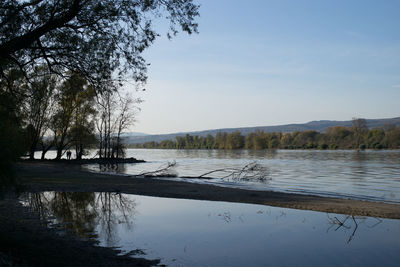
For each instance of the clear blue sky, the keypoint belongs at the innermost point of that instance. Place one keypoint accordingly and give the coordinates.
(257, 63)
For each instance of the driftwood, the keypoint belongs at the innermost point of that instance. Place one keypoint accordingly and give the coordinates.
(163, 171)
(250, 172)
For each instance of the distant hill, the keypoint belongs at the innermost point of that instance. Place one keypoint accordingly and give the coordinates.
(319, 126)
(133, 134)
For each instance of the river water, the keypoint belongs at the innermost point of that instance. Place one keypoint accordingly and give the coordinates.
(183, 232)
(369, 175)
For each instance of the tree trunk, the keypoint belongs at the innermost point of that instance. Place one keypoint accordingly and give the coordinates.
(59, 152)
(32, 153)
(79, 153)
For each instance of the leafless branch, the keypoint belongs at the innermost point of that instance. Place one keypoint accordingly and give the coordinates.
(250, 172)
(164, 171)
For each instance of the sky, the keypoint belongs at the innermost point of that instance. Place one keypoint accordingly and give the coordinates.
(267, 62)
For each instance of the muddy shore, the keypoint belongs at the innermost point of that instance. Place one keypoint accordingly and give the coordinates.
(49, 176)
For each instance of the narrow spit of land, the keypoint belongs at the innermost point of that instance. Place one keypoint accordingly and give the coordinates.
(56, 176)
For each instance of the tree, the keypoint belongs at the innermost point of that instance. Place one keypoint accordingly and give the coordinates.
(73, 106)
(235, 140)
(11, 132)
(392, 138)
(180, 142)
(124, 119)
(103, 41)
(97, 38)
(340, 136)
(39, 95)
(220, 140)
(82, 131)
(286, 141)
(116, 113)
(209, 142)
(359, 127)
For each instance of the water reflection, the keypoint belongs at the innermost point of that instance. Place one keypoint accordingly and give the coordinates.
(350, 223)
(84, 213)
(203, 233)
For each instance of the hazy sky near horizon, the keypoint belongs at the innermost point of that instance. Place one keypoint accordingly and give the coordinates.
(271, 62)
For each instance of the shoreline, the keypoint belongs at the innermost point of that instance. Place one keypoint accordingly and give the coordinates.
(84, 161)
(57, 176)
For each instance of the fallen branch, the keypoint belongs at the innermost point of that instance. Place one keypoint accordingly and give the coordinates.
(250, 172)
(162, 171)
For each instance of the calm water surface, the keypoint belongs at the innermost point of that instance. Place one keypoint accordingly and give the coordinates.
(370, 175)
(204, 233)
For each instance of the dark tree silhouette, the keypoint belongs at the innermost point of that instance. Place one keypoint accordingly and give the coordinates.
(97, 38)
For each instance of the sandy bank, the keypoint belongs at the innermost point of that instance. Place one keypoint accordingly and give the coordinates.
(49, 176)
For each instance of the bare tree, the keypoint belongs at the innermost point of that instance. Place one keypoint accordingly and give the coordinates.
(116, 114)
(126, 117)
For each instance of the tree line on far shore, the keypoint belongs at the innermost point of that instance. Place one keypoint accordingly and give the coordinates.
(358, 136)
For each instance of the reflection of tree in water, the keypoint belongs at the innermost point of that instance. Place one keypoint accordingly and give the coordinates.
(106, 206)
(349, 223)
(359, 159)
(74, 210)
(39, 202)
(262, 154)
(83, 212)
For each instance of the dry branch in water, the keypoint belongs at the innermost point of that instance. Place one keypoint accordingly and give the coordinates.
(250, 172)
(163, 171)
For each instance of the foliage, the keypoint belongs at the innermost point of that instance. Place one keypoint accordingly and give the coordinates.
(97, 38)
(71, 123)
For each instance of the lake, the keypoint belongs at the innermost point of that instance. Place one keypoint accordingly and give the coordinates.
(203, 233)
(369, 175)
